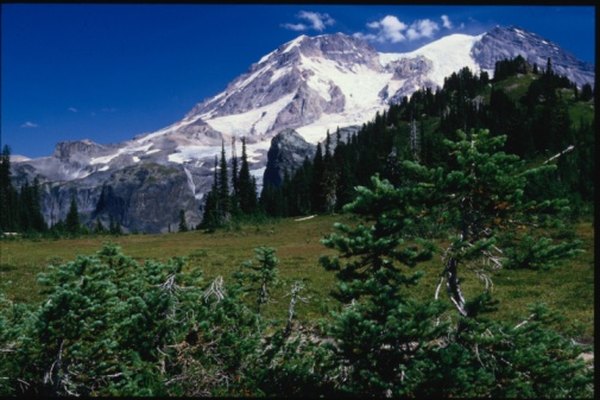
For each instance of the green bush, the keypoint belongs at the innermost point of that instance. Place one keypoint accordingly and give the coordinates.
(110, 326)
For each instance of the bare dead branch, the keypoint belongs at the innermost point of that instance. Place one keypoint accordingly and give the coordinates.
(568, 149)
(525, 321)
(48, 375)
(216, 288)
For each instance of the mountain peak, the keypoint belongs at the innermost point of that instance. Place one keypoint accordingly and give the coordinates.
(511, 41)
(325, 45)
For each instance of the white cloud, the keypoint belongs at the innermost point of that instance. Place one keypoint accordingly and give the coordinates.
(388, 29)
(29, 124)
(446, 23)
(373, 25)
(72, 109)
(391, 29)
(316, 21)
(295, 27)
(365, 36)
(422, 28)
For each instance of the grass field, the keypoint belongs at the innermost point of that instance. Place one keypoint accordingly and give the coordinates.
(568, 289)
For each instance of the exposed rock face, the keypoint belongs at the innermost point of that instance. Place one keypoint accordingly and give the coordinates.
(509, 42)
(289, 150)
(142, 198)
(287, 153)
(136, 197)
(407, 68)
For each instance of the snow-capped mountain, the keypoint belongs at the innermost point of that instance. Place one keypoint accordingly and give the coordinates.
(310, 84)
(510, 42)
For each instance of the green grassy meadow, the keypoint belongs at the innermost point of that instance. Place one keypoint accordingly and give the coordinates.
(568, 289)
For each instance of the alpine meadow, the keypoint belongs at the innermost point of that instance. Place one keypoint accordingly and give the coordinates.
(338, 222)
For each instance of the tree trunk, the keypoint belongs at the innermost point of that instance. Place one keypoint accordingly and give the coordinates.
(453, 286)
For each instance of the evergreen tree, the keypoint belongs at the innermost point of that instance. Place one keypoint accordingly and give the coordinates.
(327, 155)
(261, 276)
(72, 224)
(38, 222)
(586, 92)
(271, 200)
(212, 216)
(224, 200)
(182, 224)
(7, 207)
(383, 335)
(481, 196)
(390, 344)
(318, 173)
(99, 228)
(25, 202)
(329, 180)
(548, 70)
(114, 227)
(247, 188)
(234, 173)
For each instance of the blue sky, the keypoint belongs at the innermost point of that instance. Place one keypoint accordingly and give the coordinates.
(108, 72)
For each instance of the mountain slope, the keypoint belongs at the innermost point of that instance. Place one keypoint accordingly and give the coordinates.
(310, 84)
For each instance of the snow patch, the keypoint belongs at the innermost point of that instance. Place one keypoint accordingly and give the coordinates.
(171, 128)
(266, 57)
(520, 33)
(187, 153)
(255, 151)
(253, 122)
(18, 158)
(278, 74)
(360, 85)
(448, 54)
(293, 44)
(124, 150)
(317, 131)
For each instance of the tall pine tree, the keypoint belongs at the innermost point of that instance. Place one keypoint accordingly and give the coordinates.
(8, 212)
(247, 187)
(72, 224)
(389, 344)
(182, 224)
(235, 189)
(211, 217)
(318, 173)
(224, 199)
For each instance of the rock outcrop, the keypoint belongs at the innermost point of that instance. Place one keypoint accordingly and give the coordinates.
(287, 153)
